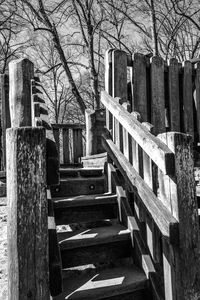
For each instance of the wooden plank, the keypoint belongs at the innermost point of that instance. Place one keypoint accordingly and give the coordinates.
(77, 145)
(140, 86)
(56, 134)
(156, 150)
(197, 83)
(164, 220)
(66, 150)
(119, 74)
(188, 98)
(174, 103)
(147, 162)
(20, 74)
(135, 147)
(27, 214)
(108, 84)
(183, 265)
(157, 95)
(127, 145)
(5, 115)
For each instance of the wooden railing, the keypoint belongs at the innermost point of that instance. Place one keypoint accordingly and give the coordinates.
(32, 166)
(158, 174)
(165, 93)
(69, 141)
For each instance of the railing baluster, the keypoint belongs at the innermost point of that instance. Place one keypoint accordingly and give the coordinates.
(66, 150)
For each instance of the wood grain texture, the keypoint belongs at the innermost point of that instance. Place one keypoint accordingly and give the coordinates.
(174, 103)
(119, 74)
(156, 150)
(182, 264)
(157, 95)
(20, 75)
(108, 84)
(163, 219)
(188, 98)
(5, 114)
(140, 86)
(66, 146)
(197, 83)
(27, 214)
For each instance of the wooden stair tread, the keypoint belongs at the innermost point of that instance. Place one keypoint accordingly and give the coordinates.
(85, 200)
(82, 179)
(93, 236)
(83, 172)
(106, 283)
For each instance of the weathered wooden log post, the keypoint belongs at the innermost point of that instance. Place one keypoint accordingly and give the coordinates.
(26, 191)
(20, 74)
(95, 122)
(27, 214)
(182, 261)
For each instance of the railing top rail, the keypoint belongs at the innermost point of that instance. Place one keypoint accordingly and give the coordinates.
(166, 223)
(69, 126)
(155, 148)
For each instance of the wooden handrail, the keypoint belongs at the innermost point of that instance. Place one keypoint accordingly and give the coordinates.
(166, 223)
(156, 150)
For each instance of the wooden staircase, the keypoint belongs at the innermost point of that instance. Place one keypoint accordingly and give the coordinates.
(96, 250)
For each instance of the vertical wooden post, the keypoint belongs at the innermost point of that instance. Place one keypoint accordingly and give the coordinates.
(140, 86)
(5, 115)
(108, 84)
(135, 146)
(27, 214)
(95, 122)
(127, 145)
(197, 83)
(56, 134)
(174, 102)
(188, 98)
(66, 150)
(20, 74)
(119, 74)
(147, 162)
(157, 95)
(77, 145)
(182, 262)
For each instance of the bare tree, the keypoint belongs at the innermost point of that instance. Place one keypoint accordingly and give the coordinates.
(42, 19)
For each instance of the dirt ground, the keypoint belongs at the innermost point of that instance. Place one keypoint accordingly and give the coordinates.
(3, 249)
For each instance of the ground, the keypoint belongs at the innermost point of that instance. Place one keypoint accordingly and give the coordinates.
(3, 249)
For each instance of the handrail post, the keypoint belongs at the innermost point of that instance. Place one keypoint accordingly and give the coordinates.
(182, 262)
(20, 74)
(27, 214)
(95, 122)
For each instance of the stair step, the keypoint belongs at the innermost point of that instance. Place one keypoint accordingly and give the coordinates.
(116, 283)
(85, 208)
(79, 186)
(93, 236)
(96, 245)
(94, 161)
(85, 200)
(82, 172)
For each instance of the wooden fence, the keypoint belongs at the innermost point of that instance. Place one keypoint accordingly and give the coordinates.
(157, 165)
(159, 173)
(166, 94)
(70, 142)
